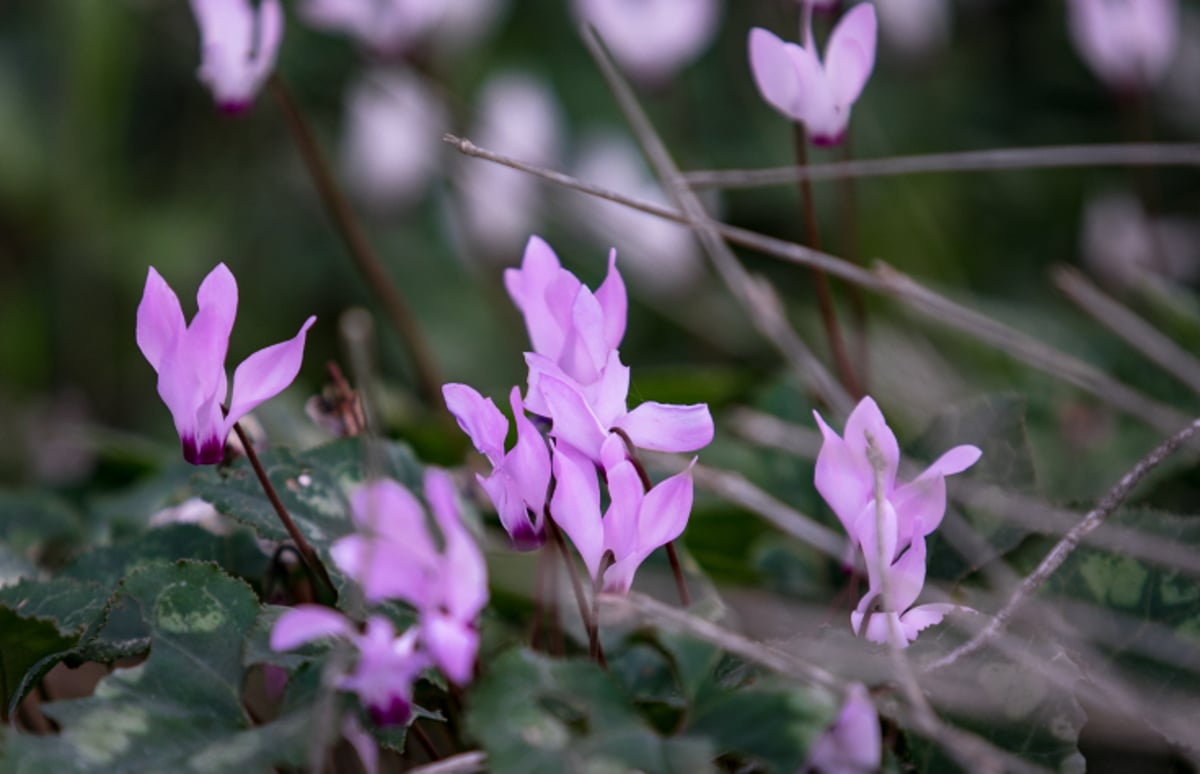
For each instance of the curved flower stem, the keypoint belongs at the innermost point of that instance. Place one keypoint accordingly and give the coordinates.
(837, 347)
(589, 622)
(1110, 502)
(685, 599)
(428, 378)
(302, 545)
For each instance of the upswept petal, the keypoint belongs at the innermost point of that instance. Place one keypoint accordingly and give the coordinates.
(906, 577)
(270, 36)
(386, 567)
(662, 518)
(529, 461)
(853, 743)
(774, 73)
(866, 420)
(384, 507)
(850, 53)
(841, 478)
(464, 591)
(159, 319)
(528, 288)
(923, 616)
(266, 373)
(954, 461)
(575, 505)
(585, 349)
(609, 396)
(668, 427)
(923, 500)
(614, 302)
(479, 419)
(305, 623)
(621, 522)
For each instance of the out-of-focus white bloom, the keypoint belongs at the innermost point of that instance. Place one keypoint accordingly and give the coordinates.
(1127, 43)
(465, 22)
(652, 39)
(392, 141)
(518, 115)
(663, 256)
(914, 28)
(238, 45)
(384, 26)
(1125, 247)
(192, 511)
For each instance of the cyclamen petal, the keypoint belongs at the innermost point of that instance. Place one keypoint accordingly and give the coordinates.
(667, 427)
(854, 743)
(239, 44)
(479, 419)
(575, 505)
(266, 373)
(304, 623)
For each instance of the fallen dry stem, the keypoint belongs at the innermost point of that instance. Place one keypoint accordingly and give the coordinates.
(992, 160)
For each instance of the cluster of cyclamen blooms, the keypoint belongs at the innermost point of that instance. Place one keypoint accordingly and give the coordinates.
(887, 521)
(579, 386)
(394, 556)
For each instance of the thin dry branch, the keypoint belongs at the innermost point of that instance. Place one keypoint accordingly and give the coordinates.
(883, 280)
(1135, 331)
(993, 160)
(1064, 547)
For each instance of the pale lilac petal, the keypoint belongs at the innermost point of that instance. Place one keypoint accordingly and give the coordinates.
(266, 373)
(362, 742)
(954, 461)
(452, 645)
(609, 396)
(621, 523)
(528, 287)
(159, 318)
(385, 507)
(575, 505)
(866, 421)
(529, 461)
(387, 568)
(923, 500)
(923, 616)
(305, 623)
(774, 73)
(878, 550)
(662, 518)
(614, 301)
(841, 478)
(906, 577)
(585, 349)
(270, 36)
(479, 419)
(573, 419)
(464, 588)
(668, 427)
(540, 366)
(850, 53)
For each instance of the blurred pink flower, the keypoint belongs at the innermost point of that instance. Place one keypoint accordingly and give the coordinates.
(853, 743)
(393, 555)
(387, 665)
(1127, 43)
(795, 82)
(190, 362)
(238, 46)
(636, 523)
(384, 26)
(652, 39)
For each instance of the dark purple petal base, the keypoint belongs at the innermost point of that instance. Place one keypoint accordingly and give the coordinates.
(211, 452)
(396, 713)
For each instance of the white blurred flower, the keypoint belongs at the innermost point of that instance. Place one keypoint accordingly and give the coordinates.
(914, 28)
(518, 115)
(392, 140)
(465, 22)
(192, 511)
(1125, 247)
(384, 26)
(663, 256)
(652, 39)
(1127, 43)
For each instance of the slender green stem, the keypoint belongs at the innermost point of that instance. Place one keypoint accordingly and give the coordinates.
(365, 260)
(833, 332)
(302, 545)
(589, 623)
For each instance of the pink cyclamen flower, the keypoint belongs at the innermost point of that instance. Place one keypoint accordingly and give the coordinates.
(853, 744)
(521, 476)
(845, 477)
(238, 47)
(795, 81)
(636, 523)
(394, 555)
(190, 361)
(652, 39)
(387, 665)
(1127, 43)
